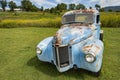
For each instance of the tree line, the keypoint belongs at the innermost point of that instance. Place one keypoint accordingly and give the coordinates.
(26, 5)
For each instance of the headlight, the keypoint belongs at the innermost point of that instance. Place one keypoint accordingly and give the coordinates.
(38, 51)
(90, 58)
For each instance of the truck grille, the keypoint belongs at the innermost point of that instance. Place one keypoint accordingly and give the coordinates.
(62, 56)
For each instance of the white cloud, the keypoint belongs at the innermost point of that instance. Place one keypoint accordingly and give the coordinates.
(43, 3)
(105, 3)
(94, 0)
(68, 1)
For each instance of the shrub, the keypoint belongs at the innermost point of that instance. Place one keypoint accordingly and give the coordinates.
(110, 19)
(44, 22)
(32, 19)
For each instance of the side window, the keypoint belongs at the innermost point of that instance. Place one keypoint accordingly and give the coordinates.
(97, 19)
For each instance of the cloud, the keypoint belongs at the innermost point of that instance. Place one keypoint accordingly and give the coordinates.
(105, 3)
(44, 3)
(94, 0)
(53, 3)
(68, 1)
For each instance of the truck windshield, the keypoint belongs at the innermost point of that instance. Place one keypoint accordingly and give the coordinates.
(78, 18)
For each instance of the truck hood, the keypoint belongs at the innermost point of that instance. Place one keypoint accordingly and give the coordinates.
(71, 34)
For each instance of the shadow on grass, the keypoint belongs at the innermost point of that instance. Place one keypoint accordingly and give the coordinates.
(51, 70)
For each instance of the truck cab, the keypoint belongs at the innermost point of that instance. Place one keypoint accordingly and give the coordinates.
(89, 18)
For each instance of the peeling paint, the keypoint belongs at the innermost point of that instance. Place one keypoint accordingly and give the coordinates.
(71, 34)
(92, 48)
(89, 11)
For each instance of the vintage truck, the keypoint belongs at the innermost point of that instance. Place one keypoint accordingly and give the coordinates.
(77, 44)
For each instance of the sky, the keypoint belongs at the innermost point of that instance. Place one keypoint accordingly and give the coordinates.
(53, 3)
(87, 3)
(105, 3)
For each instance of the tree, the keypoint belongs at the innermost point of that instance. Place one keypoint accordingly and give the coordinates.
(110, 10)
(71, 6)
(80, 6)
(90, 7)
(97, 7)
(47, 10)
(33, 8)
(41, 9)
(52, 10)
(27, 6)
(3, 4)
(12, 5)
(61, 7)
(19, 7)
(102, 10)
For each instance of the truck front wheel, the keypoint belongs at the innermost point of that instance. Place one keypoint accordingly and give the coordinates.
(97, 74)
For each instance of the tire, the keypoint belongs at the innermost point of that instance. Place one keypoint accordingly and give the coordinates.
(52, 62)
(97, 74)
(101, 36)
(75, 67)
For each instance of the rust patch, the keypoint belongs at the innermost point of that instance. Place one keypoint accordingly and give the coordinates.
(97, 47)
(78, 24)
(58, 41)
(72, 41)
(90, 46)
(97, 65)
(94, 48)
(75, 25)
(56, 34)
(84, 11)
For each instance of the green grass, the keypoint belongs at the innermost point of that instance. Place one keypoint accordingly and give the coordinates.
(18, 59)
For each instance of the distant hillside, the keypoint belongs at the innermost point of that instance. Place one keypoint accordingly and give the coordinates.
(112, 8)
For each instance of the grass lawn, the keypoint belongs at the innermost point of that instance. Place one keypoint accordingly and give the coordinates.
(18, 59)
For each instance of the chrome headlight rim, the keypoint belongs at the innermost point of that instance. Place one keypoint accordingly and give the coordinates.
(88, 55)
(38, 51)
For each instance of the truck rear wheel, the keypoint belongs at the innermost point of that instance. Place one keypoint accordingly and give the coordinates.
(101, 35)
